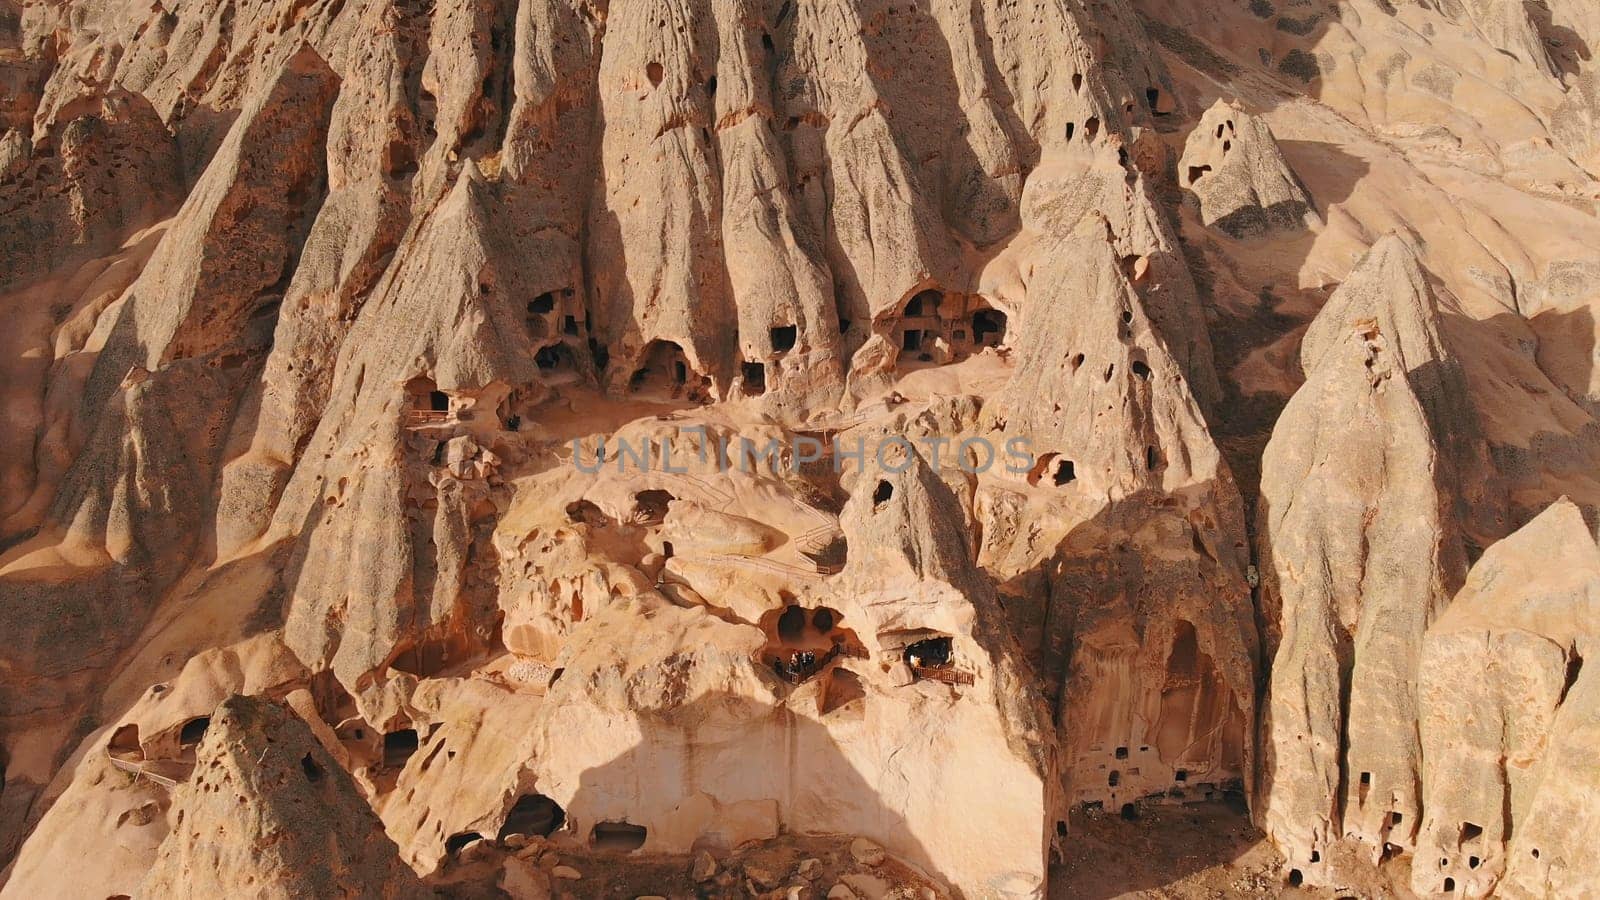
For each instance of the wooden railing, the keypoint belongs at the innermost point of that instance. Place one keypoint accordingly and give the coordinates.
(416, 417)
(945, 674)
(796, 674)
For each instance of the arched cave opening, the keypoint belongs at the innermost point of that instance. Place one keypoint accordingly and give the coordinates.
(125, 742)
(533, 815)
(924, 303)
(792, 623)
(664, 369)
(193, 730)
(650, 507)
(988, 328)
(398, 746)
(784, 338)
(555, 358)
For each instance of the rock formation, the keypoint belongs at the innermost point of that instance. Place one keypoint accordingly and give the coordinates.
(1364, 553)
(1508, 755)
(720, 448)
(267, 811)
(1233, 167)
(1147, 622)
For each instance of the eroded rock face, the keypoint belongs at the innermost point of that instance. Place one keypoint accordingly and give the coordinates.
(454, 447)
(1507, 715)
(864, 741)
(1148, 625)
(103, 174)
(1232, 165)
(268, 811)
(1365, 552)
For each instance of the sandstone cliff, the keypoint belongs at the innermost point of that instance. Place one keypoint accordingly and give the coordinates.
(847, 449)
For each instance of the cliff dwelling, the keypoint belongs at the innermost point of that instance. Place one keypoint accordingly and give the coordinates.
(935, 328)
(318, 315)
(802, 642)
(549, 307)
(665, 373)
(425, 403)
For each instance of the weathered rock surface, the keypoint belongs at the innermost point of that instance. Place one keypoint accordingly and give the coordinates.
(1508, 716)
(852, 747)
(708, 446)
(78, 192)
(1147, 620)
(268, 812)
(1245, 187)
(1364, 551)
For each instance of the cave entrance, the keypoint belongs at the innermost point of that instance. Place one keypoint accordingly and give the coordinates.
(924, 303)
(918, 328)
(784, 337)
(423, 659)
(843, 688)
(931, 656)
(1051, 469)
(830, 558)
(988, 328)
(755, 378)
(556, 359)
(398, 746)
(533, 815)
(929, 653)
(1197, 710)
(125, 742)
(618, 837)
(193, 730)
(587, 512)
(664, 371)
(333, 703)
(792, 624)
(425, 403)
(650, 508)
